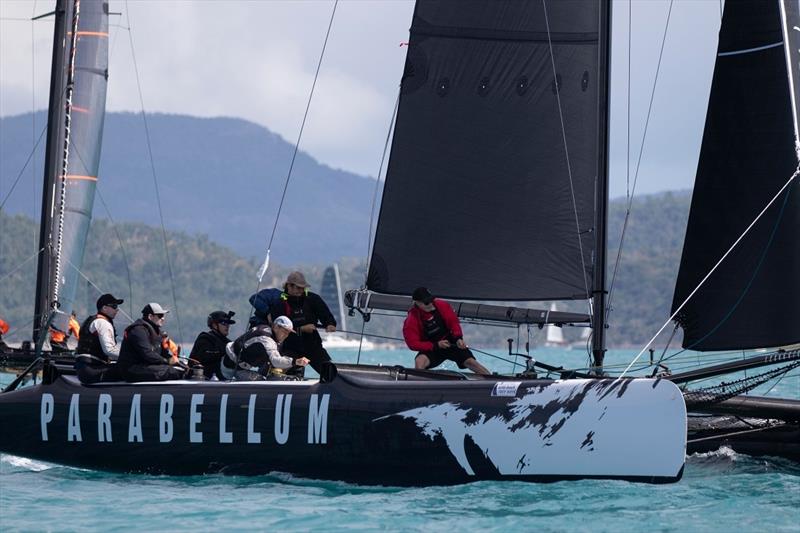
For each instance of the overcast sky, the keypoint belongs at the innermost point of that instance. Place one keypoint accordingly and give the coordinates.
(256, 60)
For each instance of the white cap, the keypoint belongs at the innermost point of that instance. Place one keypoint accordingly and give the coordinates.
(154, 309)
(283, 322)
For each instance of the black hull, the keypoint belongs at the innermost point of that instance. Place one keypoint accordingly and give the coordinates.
(352, 429)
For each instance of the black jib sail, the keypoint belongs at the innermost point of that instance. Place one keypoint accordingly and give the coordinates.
(491, 185)
(748, 154)
(75, 126)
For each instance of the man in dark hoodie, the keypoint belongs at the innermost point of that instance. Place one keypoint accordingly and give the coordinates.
(209, 347)
(144, 355)
(305, 309)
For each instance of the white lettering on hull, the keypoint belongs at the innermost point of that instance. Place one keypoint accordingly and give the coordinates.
(165, 425)
(46, 413)
(318, 419)
(74, 425)
(253, 436)
(225, 437)
(104, 418)
(135, 420)
(195, 417)
(283, 404)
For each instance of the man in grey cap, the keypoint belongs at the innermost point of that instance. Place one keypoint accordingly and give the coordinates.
(143, 355)
(305, 309)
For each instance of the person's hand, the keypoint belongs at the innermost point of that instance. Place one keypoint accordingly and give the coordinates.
(301, 361)
(443, 344)
(461, 344)
(308, 328)
(173, 360)
(330, 329)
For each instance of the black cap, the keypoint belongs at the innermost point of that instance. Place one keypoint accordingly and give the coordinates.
(222, 317)
(107, 299)
(421, 294)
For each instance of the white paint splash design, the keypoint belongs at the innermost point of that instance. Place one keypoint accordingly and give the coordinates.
(575, 427)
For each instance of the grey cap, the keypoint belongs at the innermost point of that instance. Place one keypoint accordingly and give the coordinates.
(154, 309)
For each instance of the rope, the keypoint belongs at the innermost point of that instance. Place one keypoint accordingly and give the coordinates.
(566, 148)
(2, 279)
(121, 247)
(631, 193)
(98, 289)
(153, 172)
(714, 268)
(377, 186)
(300, 134)
(30, 157)
(744, 432)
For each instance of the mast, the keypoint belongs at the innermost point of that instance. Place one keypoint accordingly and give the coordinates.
(51, 169)
(601, 212)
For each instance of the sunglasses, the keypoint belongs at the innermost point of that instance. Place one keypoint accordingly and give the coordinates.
(112, 306)
(159, 315)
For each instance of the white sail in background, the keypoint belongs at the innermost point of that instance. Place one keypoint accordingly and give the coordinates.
(554, 336)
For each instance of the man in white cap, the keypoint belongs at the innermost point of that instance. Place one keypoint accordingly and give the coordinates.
(256, 354)
(143, 355)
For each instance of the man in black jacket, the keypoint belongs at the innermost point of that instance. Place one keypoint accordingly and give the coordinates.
(144, 355)
(209, 347)
(305, 309)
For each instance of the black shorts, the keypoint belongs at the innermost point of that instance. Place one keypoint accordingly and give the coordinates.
(454, 353)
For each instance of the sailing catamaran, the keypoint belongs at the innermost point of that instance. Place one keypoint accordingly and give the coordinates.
(492, 100)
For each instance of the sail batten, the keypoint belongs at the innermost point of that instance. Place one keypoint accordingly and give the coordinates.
(747, 155)
(489, 149)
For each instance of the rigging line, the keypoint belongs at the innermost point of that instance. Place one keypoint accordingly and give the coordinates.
(30, 156)
(632, 192)
(377, 186)
(714, 268)
(121, 247)
(566, 148)
(90, 282)
(153, 172)
(8, 274)
(34, 142)
(302, 127)
(628, 105)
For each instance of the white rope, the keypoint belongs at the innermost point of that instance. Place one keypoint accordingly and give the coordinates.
(702, 282)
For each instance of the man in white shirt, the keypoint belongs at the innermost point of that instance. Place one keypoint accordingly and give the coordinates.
(97, 346)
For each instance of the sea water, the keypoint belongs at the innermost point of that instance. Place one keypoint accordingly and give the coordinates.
(720, 491)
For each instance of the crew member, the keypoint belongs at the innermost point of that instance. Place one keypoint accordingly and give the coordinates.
(58, 340)
(144, 356)
(432, 329)
(209, 347)
(74, 327)
(97, 343)
(256, 356)
(305, 309)
(4, 327)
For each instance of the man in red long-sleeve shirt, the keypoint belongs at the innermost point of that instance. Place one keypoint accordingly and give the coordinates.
(432, 329)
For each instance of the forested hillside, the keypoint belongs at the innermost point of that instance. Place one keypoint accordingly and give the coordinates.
(209, 276)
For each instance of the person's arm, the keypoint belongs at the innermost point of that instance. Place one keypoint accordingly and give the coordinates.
(275, 358)
(412, 333)
(105, 332)
(322, 311)
(450, 319)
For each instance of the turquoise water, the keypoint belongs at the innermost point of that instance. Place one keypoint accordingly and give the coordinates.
(720, 491)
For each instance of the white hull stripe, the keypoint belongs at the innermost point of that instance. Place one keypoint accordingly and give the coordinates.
(750, 50)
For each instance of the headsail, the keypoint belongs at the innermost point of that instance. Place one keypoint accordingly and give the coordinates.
(75, 128)
(331, 293)
(494, 153)
(747, 156)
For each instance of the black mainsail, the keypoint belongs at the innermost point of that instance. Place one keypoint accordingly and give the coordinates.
(75, 125)
(748, 154)
(497, 154)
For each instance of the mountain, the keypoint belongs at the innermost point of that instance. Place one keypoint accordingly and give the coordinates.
(220, 177)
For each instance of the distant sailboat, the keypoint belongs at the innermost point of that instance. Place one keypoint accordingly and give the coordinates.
(331, 292)
(553, 334)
